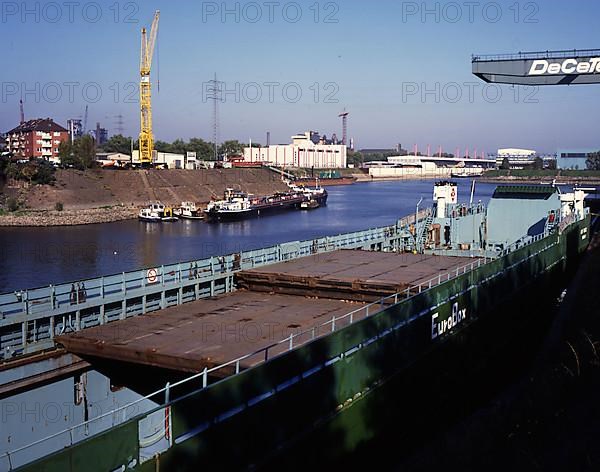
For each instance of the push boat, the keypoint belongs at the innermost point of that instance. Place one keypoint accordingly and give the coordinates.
(157, 213)
(189, 211)
(309, 205)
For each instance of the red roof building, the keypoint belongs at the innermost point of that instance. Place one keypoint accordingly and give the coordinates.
(39, 138)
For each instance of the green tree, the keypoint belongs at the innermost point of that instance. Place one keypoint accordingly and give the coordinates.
(505, 164)
(538, 163)
(65, 154)
(28, 171)
(80, 154)
(84, 149)
(179, 146)
(4, 162)
(117, 143)
(12, 204)
(44, 173)
(36, 171)
(13, 171)
(593, 161)
(204, 150)
(231, 148)
(161, 146)
(355, 158)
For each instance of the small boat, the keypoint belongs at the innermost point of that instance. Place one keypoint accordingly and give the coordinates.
(465, 174)
(169, 216)
(156, 213)
(189, 211)
(309, 205)
(149, 216)
(318, 194)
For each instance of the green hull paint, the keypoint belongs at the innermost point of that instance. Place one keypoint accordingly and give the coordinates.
(327, 400)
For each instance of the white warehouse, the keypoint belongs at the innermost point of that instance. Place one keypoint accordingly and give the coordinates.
(303, 152)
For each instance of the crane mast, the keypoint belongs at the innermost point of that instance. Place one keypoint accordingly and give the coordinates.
(146, 136)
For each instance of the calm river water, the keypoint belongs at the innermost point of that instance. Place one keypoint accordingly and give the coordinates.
(34, 257)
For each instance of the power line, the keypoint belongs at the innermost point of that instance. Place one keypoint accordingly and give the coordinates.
(214, 93)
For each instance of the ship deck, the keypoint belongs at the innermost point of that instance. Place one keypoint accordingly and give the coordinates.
(274, 302)
(206, 333)
(350, 274)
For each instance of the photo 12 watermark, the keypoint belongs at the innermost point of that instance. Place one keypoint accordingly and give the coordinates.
(466, 92)
(270, 92)
(270, 12)
(69, 92)
(69, 12)
(470, 12)
(55, 412)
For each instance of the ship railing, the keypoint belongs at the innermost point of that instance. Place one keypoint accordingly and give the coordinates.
(563, 54)
(522, 243)
(30, 319)
(460, 209)
(72, 435)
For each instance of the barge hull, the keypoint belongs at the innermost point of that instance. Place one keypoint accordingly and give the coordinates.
(243, 419)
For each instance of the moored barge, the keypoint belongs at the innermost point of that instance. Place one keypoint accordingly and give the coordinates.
(237, 205)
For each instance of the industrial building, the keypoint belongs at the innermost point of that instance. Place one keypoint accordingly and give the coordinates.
(100, 134)
(39, 138)
(517, 158)
(302, 152)
(75, 128)
(398, 151)
(574, 159)
(168, 160)
(427, 166)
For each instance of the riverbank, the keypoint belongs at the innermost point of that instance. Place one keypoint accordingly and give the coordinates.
(562, 176)
(104, 196)
(45, 218)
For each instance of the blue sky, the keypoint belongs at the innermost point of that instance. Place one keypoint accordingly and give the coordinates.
(368, 57)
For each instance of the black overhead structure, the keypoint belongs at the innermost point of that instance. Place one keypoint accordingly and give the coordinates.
(569, 67)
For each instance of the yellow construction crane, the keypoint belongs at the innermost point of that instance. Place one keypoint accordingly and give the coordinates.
(146, 136)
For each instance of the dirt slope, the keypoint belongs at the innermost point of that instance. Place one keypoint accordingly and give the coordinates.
(100, 188)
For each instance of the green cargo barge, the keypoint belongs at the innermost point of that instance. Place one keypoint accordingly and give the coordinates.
(247, 411)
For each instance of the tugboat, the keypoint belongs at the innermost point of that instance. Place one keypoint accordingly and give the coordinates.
(317, 194)
(157, 213)
(309, 205)
(189, 211)
(169, 216)
(235, 205)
